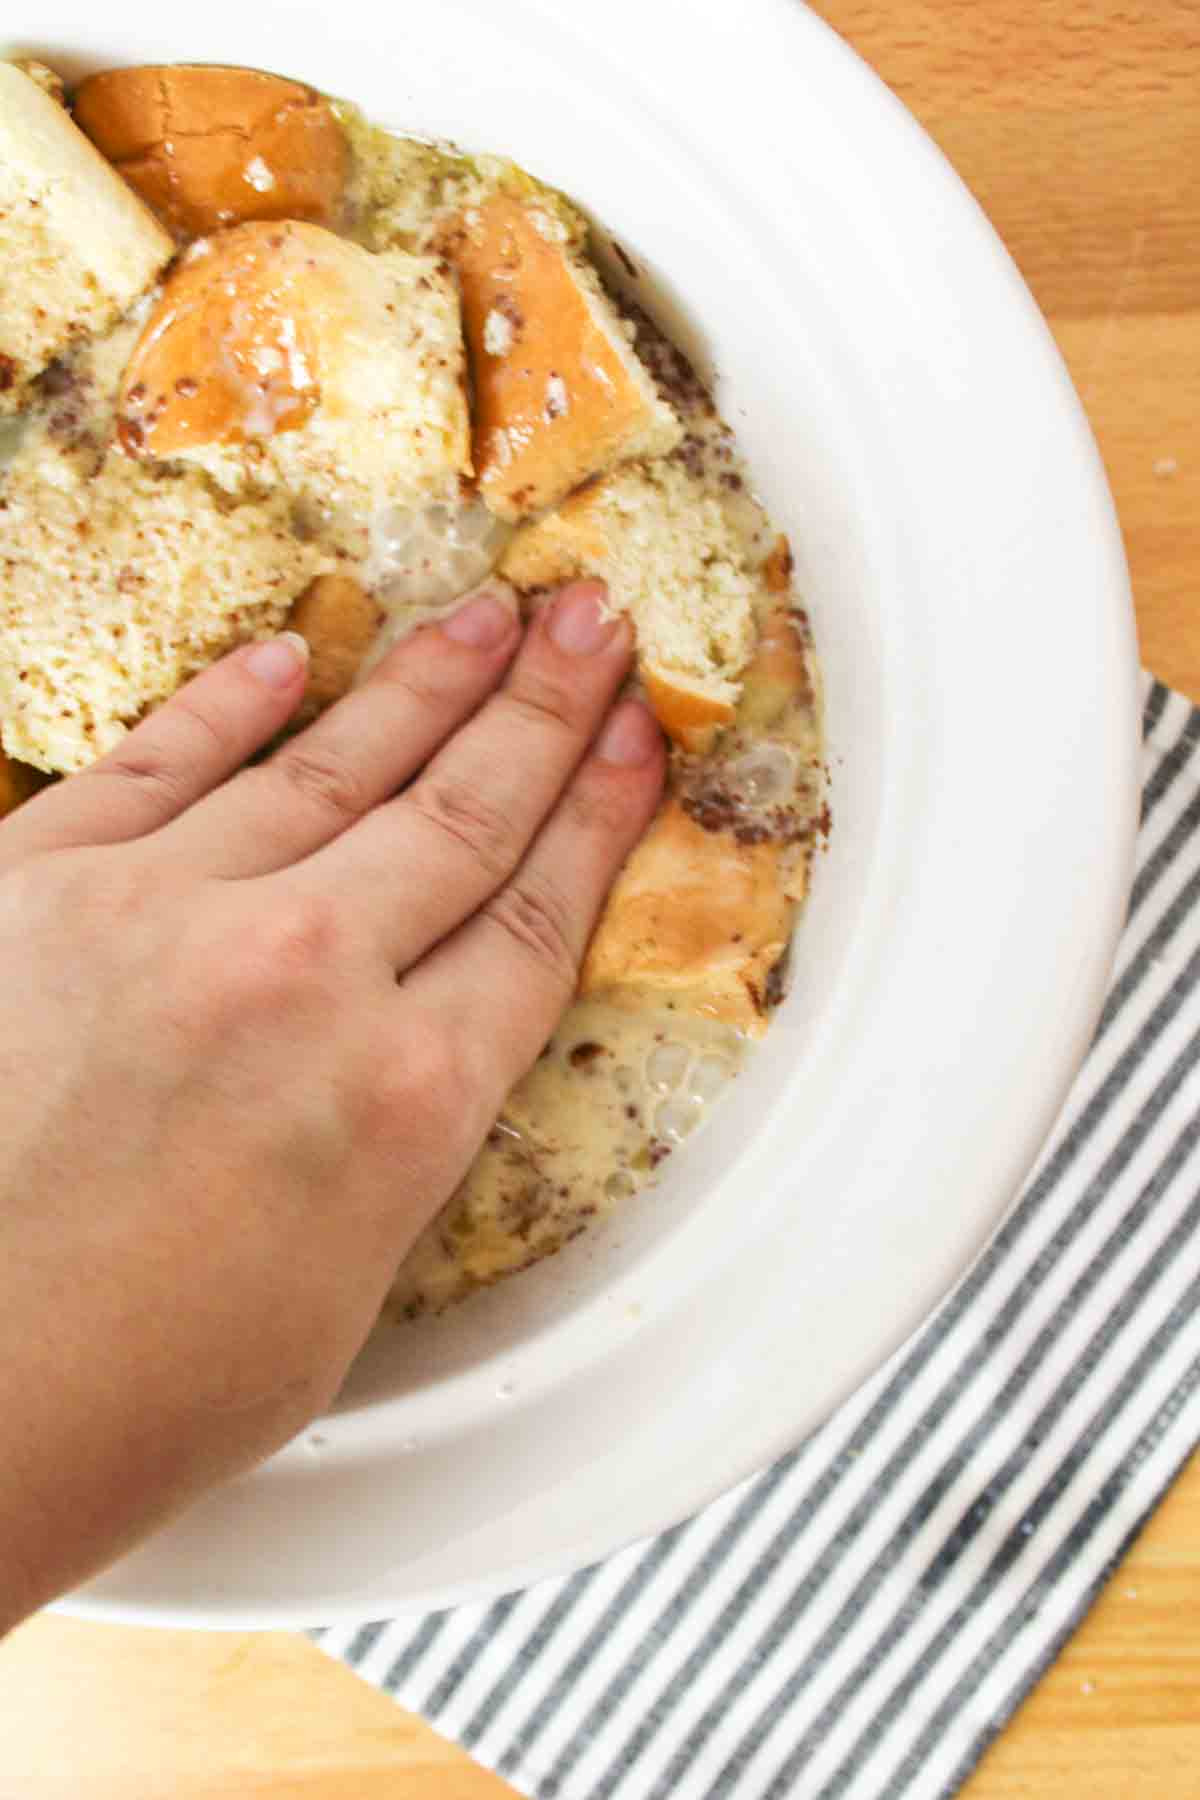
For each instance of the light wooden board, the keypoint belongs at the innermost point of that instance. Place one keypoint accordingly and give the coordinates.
(114, 1713)
(1078, 127)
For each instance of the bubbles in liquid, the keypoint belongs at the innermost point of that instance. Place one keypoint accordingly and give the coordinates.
(474, 524)
(11, 433)
(677, 1118)
(428, 556)
(766, 774)
(392, 532)
(667, 1065)
(311, 517)
(709, 1077)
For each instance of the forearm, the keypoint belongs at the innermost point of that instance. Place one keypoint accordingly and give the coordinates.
(113, 1419)
(77, 1471)
(48, 1503)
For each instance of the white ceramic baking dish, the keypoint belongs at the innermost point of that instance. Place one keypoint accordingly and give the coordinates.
(912, 427)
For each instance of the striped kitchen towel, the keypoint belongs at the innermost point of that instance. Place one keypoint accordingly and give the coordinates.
(862, 1618)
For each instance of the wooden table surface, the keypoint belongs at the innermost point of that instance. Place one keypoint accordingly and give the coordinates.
(1078, 127)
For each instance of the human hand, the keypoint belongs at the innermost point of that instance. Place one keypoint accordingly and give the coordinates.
(254, 1026)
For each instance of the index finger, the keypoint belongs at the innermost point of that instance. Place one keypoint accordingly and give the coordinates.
(498, 986)
(422, 862)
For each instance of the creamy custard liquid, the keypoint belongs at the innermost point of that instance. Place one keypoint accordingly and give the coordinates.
(612, 1094)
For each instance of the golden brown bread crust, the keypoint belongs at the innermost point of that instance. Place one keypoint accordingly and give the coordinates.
(555, 401)
(207, 147)
(689, 715)
(281, 354)
(695, 917)
(229, 347)
(340, 622)
(17, 784)
(777, 569)
(778, 680)
(9, 797)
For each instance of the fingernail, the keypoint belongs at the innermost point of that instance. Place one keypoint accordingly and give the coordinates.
(278, 661)
(578, 622)
(482, 622)
(630, 737)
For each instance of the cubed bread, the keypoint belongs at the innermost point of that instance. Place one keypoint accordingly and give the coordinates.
(559, 393)
(77, 248)
(116, 586)
(280, 354)
(671, 560)
(340, 622)
(695, 918)
(702, 913)
(207, 146)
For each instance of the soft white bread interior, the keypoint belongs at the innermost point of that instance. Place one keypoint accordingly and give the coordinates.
(120, 583)
(283, 355)
(77, 248)
(212, 146)
(559, 393)
(666, 550)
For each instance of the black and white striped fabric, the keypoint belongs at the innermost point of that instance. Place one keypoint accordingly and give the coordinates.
(862, 1618)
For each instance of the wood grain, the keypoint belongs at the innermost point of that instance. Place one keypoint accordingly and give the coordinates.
(1078, 128)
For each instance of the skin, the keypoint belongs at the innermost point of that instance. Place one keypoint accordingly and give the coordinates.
(254, 1026)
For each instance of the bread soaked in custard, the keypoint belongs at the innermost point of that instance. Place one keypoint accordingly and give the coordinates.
(632, 1073)
(613, 1093)
(377, 373)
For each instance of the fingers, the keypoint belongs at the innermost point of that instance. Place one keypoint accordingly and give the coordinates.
(501, 983)
(422, 864)
(180, 753)
(359, 752)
